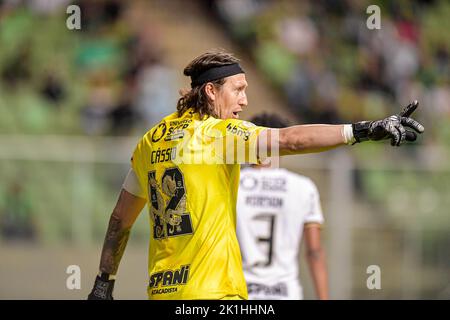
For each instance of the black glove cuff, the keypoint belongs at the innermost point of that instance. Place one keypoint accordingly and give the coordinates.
(106, 276)
(361, 131)
(103, 288)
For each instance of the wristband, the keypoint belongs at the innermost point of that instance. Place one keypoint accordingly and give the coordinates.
(347, 134)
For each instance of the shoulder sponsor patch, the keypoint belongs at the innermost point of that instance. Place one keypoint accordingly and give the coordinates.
(176, 129)
(238, 131)
(159, 132)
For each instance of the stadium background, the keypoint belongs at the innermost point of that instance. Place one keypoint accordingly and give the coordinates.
(74, 102)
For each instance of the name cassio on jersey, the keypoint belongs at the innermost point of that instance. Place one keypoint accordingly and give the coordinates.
(163, 155)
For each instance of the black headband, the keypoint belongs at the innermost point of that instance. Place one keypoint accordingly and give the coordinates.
(216, 73)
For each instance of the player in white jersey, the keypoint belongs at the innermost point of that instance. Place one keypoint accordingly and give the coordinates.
(276, 208)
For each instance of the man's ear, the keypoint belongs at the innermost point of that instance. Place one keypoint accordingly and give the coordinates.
(210, 91)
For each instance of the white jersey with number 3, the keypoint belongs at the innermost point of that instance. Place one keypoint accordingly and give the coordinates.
(273, 206)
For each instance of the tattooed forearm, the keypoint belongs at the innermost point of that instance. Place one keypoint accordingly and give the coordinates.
(115, 242)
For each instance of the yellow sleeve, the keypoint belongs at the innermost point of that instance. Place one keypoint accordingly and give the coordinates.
(237, 138)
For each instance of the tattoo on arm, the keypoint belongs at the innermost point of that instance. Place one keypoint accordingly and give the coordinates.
(114, 246)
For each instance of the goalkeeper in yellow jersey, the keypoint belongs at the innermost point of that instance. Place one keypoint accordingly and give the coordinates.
(186, 169)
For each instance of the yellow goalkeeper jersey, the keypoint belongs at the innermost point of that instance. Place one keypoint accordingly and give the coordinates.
(189, 169)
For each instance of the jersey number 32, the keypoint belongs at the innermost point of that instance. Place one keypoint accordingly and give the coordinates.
(168, 204)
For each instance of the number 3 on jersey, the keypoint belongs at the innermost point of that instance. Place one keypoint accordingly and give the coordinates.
(168, 204)
(268, 239)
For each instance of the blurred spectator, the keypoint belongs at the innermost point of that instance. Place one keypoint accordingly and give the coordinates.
(53, 90)
(123, 116)
(48, 6)
(298, 34)
(299, 91)
(18, 69)
(442, 59)
(97, 14)
(371, 66)
(16, 222)
(100, 102)
(156, 89)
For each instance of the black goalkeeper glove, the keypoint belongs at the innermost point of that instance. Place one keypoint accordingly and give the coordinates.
(103, 288)
(392, 127)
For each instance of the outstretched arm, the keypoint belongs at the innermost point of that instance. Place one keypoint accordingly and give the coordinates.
(310, 138)
(320, 137)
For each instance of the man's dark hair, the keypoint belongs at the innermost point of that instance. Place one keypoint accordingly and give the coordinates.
(196, 98)
(269, 121)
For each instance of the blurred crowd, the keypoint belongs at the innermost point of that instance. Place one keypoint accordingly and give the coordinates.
(108, 79)
(148, 89)
(320, 55)
(331, 67)
(111, 74)
(113, 78)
